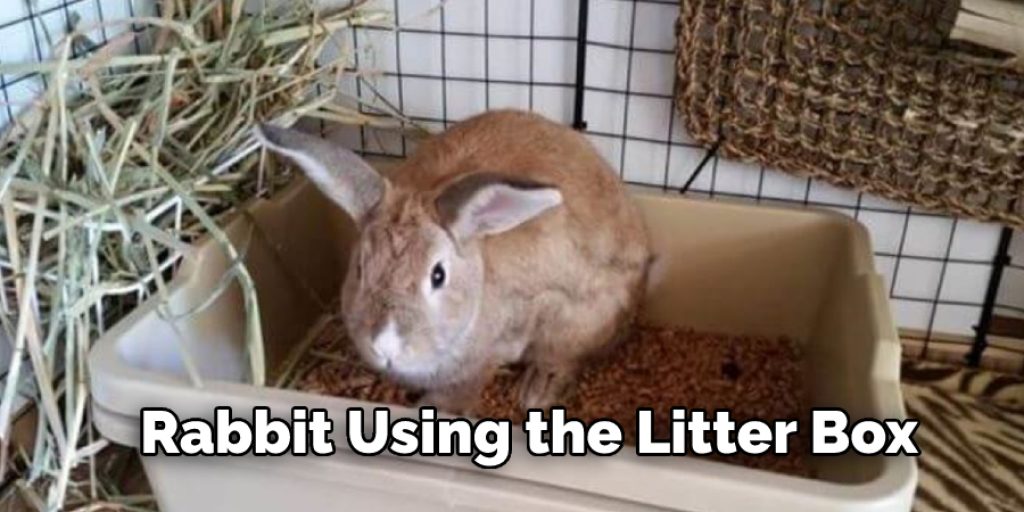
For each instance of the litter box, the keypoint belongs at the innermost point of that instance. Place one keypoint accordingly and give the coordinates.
(727, 267)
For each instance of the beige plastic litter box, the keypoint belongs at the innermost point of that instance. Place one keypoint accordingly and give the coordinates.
(730, 268)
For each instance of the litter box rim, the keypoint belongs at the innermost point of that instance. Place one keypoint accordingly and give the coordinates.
(120, 391)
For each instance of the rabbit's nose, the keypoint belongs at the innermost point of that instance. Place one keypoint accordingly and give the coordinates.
(387, 344)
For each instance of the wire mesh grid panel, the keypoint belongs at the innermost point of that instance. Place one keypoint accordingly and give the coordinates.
(611, 75)
(453, 60)
(29, 29)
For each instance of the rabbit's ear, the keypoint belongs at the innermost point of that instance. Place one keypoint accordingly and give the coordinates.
(339, 173)
(484, 204)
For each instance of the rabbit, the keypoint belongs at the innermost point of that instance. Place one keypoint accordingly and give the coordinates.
(505, 239)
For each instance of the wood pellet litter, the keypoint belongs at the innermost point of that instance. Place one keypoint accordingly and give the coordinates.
(752, 377)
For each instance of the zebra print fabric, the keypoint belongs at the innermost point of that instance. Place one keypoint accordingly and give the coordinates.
(971, 438)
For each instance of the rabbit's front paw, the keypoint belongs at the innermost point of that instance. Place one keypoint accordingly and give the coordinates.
(445, 402)
(541, 387)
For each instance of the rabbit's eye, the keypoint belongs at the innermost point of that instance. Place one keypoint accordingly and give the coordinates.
(437, 276)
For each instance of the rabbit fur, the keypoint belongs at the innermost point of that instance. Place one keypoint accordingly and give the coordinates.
(543, 258)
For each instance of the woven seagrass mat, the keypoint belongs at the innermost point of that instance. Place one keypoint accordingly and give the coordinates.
(862, 94)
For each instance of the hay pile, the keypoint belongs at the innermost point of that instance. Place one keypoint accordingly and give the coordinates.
(753, 377)
(117, 166)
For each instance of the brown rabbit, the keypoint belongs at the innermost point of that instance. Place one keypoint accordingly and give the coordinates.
(506, 238)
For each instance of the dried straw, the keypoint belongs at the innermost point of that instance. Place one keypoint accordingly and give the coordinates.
(114, 170)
